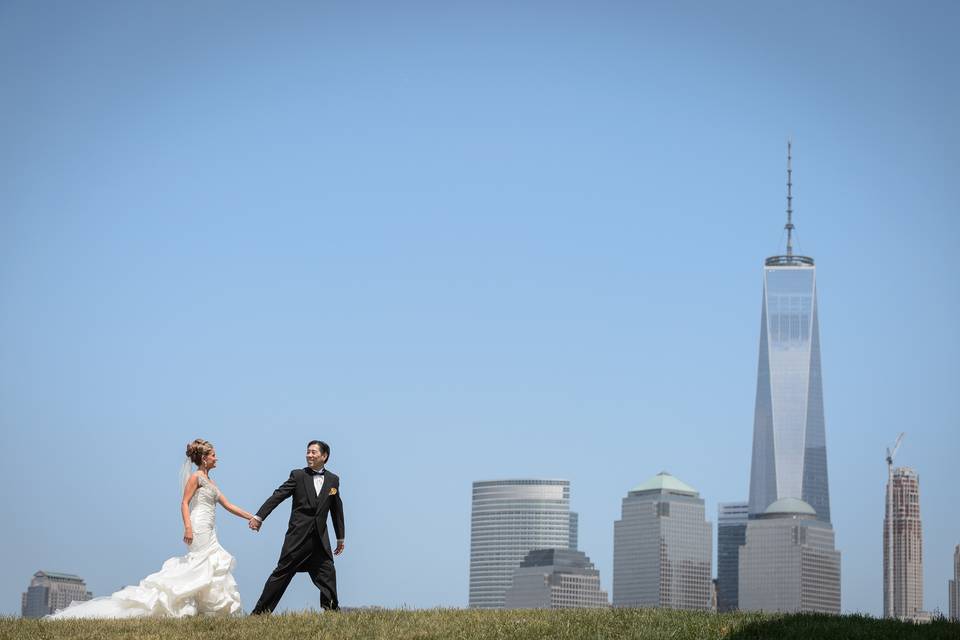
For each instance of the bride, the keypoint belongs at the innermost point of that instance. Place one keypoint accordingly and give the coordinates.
(197, 583)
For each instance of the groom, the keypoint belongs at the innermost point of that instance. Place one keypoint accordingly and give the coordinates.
(306, 547)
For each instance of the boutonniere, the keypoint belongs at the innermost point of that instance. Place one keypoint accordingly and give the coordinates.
(333, 491)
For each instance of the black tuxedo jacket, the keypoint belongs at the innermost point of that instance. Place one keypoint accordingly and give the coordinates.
(309, 511)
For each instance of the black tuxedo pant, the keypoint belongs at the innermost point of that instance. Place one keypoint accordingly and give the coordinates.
(310, 557)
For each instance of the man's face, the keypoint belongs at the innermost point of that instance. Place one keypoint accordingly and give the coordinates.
(314, 457)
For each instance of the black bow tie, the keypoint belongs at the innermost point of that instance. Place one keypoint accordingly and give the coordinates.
(315, 473)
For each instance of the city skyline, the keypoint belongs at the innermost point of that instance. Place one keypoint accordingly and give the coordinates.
(459, 242)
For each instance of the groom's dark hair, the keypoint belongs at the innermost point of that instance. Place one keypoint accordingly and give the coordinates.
(324, 447)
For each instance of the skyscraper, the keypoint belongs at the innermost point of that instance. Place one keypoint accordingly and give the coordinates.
(789, 441)
(509, 519)
(903, 572)
(731, 535)
(662, 547)
(556, 579)
(49, 591)
(789, 563)
(955, 586)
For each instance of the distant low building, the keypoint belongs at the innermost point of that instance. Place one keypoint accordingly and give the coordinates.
(556, 579)
(789, 563)
(731, 534)
(955, 586)
(50, 591)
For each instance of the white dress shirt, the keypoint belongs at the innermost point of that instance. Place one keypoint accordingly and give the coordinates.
(318, 480)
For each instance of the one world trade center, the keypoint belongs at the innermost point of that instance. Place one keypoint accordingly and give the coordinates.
(789, 445)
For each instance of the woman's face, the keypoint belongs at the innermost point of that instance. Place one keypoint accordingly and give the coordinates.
(210, 460)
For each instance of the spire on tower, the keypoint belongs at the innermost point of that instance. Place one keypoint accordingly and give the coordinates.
(789, 225)
(789, 259)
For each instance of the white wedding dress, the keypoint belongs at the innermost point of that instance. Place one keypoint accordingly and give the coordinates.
(197, 583)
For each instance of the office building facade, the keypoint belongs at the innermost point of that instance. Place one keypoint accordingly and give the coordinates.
(662, 547)
(50, 591)
(731, 535)
(509, 519)
(788, 563)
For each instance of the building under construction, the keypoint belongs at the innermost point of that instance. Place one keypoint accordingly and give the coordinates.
(903, 547)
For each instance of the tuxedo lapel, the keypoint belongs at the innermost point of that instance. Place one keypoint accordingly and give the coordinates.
(310, 489)
(324, 491)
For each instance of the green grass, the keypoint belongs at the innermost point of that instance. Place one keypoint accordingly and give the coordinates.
(465, 624)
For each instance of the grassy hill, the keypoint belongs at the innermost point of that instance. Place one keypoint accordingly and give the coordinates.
(460, 624)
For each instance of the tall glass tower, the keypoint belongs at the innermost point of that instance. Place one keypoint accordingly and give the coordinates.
(789, 442)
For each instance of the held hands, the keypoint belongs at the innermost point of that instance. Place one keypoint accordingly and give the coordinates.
(254, 524)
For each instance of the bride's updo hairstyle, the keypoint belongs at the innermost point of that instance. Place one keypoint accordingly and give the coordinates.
(197, 449)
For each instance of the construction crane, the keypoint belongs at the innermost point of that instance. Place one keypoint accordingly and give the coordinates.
(890, 453)
(888, 542)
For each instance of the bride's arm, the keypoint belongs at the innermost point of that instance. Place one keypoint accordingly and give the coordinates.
(234, 509)
(188, 492)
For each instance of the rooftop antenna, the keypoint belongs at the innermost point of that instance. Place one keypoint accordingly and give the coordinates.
(789, 226)
(789, 260)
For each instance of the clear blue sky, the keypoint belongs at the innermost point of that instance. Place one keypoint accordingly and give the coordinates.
(459, 241)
